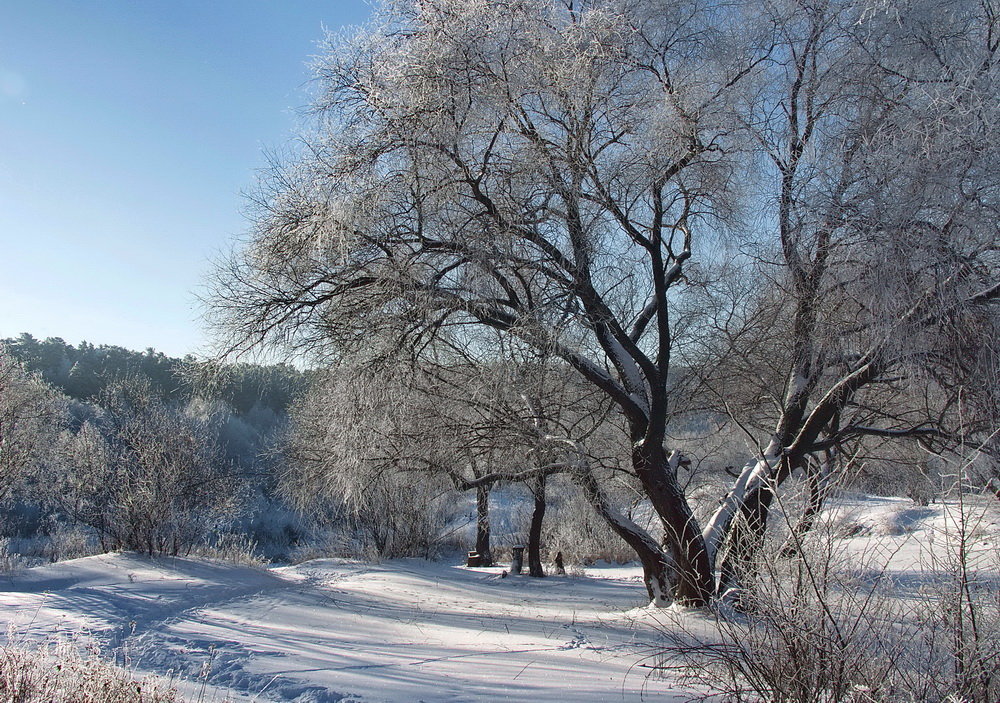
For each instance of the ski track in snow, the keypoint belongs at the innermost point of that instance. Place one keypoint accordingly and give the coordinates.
(331, 630)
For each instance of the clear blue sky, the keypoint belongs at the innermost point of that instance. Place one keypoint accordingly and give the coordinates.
(128, 130)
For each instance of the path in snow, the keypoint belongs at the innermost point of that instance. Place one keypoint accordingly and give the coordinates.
(330, 630)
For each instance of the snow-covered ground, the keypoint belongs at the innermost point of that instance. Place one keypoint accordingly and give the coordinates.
(914, 542)
(330, 630)
(410, 630)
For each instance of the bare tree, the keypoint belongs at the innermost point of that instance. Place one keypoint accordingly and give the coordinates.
(144, 475)
(553, 171)
(358, 456)
(534, 168)
(30, 415)
(880, 139)
(364, 433)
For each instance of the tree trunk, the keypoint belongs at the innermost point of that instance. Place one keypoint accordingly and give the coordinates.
(693, 582)
(743, 540)
(483, 526)
(994, 487)
(655, 569)
(535, 531)
(818, 479)
(741, 537)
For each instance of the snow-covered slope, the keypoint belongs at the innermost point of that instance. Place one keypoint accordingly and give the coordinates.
(410, 630)
(331, 630)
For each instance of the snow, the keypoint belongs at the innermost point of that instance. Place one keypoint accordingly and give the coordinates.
(332, 630)
(411, 630)
(750, 478)
(635, 381)
(904, 539)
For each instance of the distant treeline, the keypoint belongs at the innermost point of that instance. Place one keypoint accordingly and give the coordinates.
(84, 371)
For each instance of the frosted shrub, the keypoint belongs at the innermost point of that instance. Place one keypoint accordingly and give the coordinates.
(30, 415)
(826, 626)
(144, 476)
(348, 468)
(69, 542)
(231, 548)
(380, 517)
(582, 536)
(61, 674)
(10, 560)
(326, 543)
(397, 517)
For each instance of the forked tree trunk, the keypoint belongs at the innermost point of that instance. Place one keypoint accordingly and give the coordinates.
(535, 531)
(740, 525)
(483, 526)
(656, 573)
(743, 541)
(692, 582)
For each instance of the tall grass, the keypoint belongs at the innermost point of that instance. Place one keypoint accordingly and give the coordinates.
(832, 624)
(62, 673)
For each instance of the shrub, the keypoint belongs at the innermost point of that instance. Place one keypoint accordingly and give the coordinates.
(583, 536)
(825, 626)
(62, 674)
(144, 475)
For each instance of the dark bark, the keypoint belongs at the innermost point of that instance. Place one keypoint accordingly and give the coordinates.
(693, 582)
(535, 531)
(743, 542)
(656, 573)
(746, 532)
(483, 525)
(816, 477)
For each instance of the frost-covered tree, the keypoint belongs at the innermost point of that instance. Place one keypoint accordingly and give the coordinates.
(879, 140)
(368, 443)
(540, 169)
(359, 454)
(566, 173)
(143, 474)
(30, 414)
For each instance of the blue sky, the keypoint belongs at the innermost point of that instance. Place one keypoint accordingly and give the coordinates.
(128, 130)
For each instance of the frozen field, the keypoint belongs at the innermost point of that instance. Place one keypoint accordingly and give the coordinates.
(409, 630)
(329, 630)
